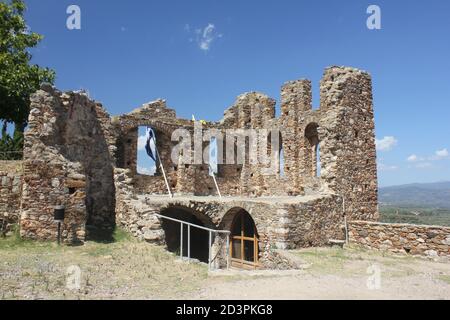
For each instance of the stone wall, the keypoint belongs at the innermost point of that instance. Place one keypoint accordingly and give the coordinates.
(341, 132)
(347, 135)
(314, 221)
(76, 155)
(431, 241)
(67, 161)
(281, 223)
(10, 192)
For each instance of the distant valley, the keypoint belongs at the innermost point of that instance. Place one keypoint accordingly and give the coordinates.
(419, 203)
(425, 195)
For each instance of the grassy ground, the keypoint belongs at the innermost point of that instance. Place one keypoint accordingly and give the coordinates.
(128, 269)
(422, 216)
(355, 261)
(122, 269)
(445, 278)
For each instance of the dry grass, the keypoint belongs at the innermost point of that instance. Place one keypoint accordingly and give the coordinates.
(445, 278)
(128, 269)
(354, 261)
(11, 166)
(124, 269)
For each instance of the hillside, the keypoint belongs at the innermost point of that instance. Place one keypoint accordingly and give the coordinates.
(419, 195)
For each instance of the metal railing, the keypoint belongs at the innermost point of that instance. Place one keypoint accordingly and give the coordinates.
(210, 231)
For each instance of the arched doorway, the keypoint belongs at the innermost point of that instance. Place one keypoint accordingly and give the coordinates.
(199, 238)
(244, 248)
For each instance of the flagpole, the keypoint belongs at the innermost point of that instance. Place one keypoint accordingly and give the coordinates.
(162, 168)
(215, 181)
(213, 174)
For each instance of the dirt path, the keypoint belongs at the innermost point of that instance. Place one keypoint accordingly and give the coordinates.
(341, 274)
(325, 287)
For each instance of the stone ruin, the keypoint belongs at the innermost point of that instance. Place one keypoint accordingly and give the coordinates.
(78, 156)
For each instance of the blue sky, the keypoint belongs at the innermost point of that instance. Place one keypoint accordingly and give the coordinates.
(199, 55)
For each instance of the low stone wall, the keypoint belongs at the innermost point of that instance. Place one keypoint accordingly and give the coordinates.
(10, 192)
(430, 241)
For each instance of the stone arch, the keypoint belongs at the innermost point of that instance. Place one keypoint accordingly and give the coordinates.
(158, 125)
(199, 239)
(196, 211)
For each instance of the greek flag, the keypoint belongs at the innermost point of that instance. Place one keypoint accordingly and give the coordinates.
(150, 146)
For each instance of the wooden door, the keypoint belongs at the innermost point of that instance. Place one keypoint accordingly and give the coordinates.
(244, 249)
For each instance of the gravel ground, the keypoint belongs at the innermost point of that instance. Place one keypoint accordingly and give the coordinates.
(341, 274)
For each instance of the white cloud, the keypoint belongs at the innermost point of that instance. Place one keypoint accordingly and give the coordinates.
(386, 144)
(442, 153)
(207, 37)
(438, 155)
(204, 36)
(428, 162)
(423, 165)
(384, 167)
(147, 171)
(141, 143)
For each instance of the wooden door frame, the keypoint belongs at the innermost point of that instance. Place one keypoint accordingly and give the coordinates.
(242, 238)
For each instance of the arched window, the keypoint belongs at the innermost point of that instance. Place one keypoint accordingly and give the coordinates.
(213, 157)
(145, 164)
(312, 153)
(275, 150)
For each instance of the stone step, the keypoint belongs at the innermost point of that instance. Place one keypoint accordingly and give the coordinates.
(335, 242)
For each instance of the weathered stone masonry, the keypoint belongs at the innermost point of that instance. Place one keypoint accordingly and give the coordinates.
(431, 241)
(10, 193)
(77, 156)
(308, 208)
(67, 161)
(343, 127)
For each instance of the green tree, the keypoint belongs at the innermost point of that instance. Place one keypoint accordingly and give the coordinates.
(18, 77)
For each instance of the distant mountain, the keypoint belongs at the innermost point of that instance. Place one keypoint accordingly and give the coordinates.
(426, 195)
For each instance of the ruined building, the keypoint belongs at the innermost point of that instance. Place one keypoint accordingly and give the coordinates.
(77, 156)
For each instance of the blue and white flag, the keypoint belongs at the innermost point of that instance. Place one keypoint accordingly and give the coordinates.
(150, 145)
